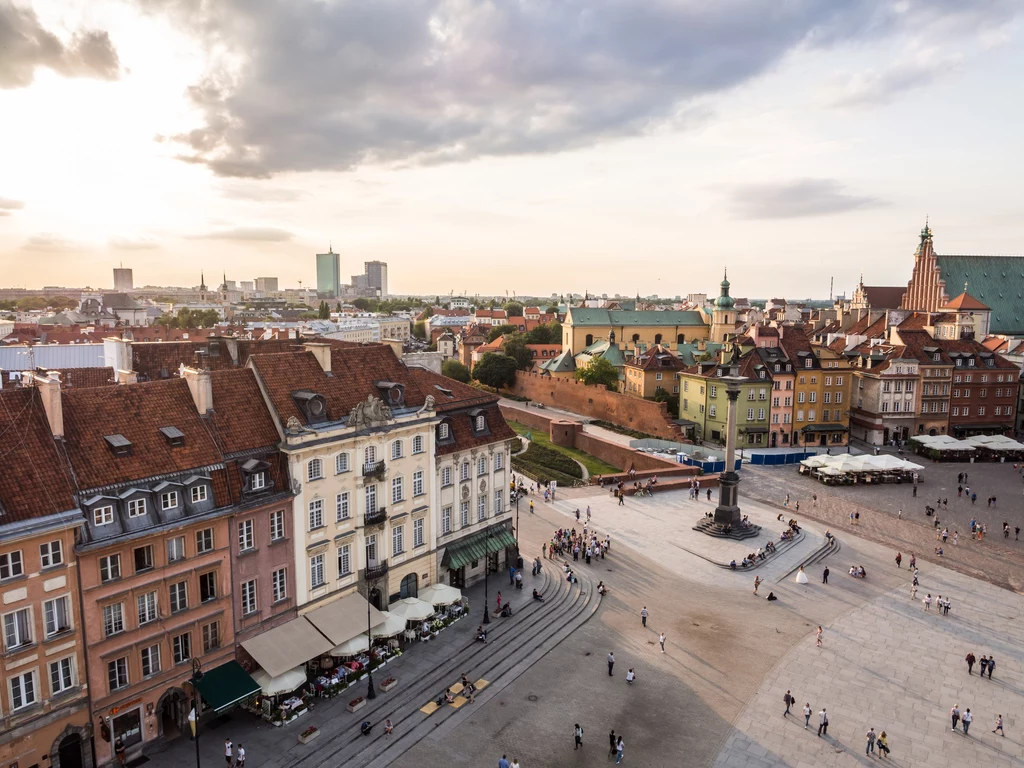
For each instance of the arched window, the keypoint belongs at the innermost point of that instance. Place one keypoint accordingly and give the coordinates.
(417, 444)
(396, 450)
(681, 338)
(341, 463)
(636, 337)
(657, 338)
(464, 475)
(410, 586)
(481, 466)
(481, 423)
(588, 340)
(314, 469)
(370, 455)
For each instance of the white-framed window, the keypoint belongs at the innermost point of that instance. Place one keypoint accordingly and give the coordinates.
(956, 411)
(981, 410)
(143, 558)
(179, 596)
(316, 571)
(464, 472)
(446, 476)
(397, 489)
(342, 463)
(279, 581)
(249, 602)
(966, 411)
(207, 586)
(443, 431)
(481, 423)
(110, 568)
(246, 536)
(446, 520)
(136, 508)
(812, 397)
(150, 657)
(314, 470)
(760, 414)
(316, 514)
(885, 407)
(750, 394)
(113, 619)
(257, 481)
(62, 675)
(417, 444)
(146, 605)
(51, 554)
(499, 461)
(839, 381)
(481, 507)
(839, 397)
(397, 540)
(750, 414)
(23, 690)
(827, 398)
(198, 493)
(481, 466)
(417, 533)
(57, 615)
(181, 647)
(343, 506)
(169, 500)
(277, 525)
(417, 483)
(371, 549)
(712, 410)
(785, 418)
(175, 549)
(370, 497)
(204, 540)
(17, 629)
(396, 450)
(117, 673)
(828, 381)
(103, 515)
(801, 397)
(211, 636)
(344, 560)
(498, 501)
(464, 514)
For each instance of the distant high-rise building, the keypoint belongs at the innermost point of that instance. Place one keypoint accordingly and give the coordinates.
(377, 276)
(266, 284)
(123, 281)
(328, 273)
(360, 282)
(245, 286)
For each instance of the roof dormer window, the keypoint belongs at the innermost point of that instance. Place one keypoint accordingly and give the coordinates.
(174, 436)
(119, 445)
(444, 432)
(392, 393)
(312, 405)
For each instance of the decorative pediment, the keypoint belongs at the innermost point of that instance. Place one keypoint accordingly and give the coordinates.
(368, 413)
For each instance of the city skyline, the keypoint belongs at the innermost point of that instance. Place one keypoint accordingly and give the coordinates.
(647, 150)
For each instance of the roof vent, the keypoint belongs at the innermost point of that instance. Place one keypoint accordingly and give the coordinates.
(174, 435)
(443, 391)
(119, 445)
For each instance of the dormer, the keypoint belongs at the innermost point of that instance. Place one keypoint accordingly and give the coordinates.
(478, 421)
(256, 477)
(445, 433)
(392, 393)
(174, 436)
(119, 445)
(312, 404)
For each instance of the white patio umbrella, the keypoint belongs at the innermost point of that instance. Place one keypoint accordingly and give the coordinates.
(440, 594)
(412, 609)
(351, 647)
(814, 462)
(283, 683)
(391, 626)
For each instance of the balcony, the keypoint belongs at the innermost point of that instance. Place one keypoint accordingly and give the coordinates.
(376, 571)
(374, 468)
(376, 517)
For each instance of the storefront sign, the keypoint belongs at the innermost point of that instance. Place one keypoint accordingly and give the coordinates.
(126, 705)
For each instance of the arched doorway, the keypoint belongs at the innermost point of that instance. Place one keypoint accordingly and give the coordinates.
(775, 439)
(932, 432)
(657, 338)
(680, 338)
(172, 713)
(72, 749)
(588, 340)
(410, 586)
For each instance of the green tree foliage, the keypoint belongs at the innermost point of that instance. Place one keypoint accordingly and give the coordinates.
(500, 330)
(32, 302)
(362, 304)
(61, 303)
(552, 310)
(550, 333)
(453, 369)
(662, 396)
(324, 312)
(599, 371)
(188, 318)
(337, 307)
(514, 309)
(495, 371)
(419, 329)
(515, 348)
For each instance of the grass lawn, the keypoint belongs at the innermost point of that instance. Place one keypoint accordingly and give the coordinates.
(593, 464)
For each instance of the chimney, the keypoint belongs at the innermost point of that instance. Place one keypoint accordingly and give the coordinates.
(127, 377)
(322, 352)
(49, 393)
(201, 387)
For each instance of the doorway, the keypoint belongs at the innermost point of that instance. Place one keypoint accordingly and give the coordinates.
(69, 753)
(173, 709)
(409, 587)
(775, 438)
(824, 440)
(376, 599)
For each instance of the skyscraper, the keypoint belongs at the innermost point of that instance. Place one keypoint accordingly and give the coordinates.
(123, 281)
(377, 276)
(266, 284)
(328, 273)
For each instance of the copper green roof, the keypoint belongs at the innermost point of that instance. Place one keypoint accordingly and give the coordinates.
(644, 317)
(996, 281)
(476, 547)
(605, 349)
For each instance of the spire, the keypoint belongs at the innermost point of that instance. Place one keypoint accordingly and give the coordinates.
(926, 233)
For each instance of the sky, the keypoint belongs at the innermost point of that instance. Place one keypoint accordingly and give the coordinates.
(520, 146)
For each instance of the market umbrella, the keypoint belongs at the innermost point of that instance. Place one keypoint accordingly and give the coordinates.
(283, 683)
(392, 625)
(440, 594)
(357, 644)
(411, 609)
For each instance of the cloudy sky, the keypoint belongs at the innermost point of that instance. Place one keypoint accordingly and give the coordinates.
(519, 145)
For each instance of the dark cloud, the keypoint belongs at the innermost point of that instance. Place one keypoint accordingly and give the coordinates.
(250, 234)
(878, 87)
(795, 199)
(329, 86)
(27, 46)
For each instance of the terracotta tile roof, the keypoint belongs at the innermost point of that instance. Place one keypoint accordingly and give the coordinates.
(240, 417)
(136, 411)
(860, 326)
(996, 344)
(462, 429)
(885, 296)
(964, 302)
(75, 378)
(916, 321)
(969, 348)
(35, 480)
(657, 361)
(161, 360)
(916, 341)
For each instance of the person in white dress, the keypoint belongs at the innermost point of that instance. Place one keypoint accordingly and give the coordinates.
(801, 577)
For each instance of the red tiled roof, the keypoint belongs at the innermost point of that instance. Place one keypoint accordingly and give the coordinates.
(915, 321)
(462, 430)
(974, 349)
(916, 341)
(885, 296)
(35, 480)
(240, 417)
(965, 302)
(79, 378)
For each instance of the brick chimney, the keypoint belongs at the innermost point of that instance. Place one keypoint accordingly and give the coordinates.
(126, 377)
(49, 393)
(201, 387)
(322, 352)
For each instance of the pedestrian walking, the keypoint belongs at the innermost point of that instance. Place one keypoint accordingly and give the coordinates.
(622, 499)
(851, 518)
(515, 763)
(899, 559)
(954, 715)
(928, 602)
(619, 746)
(119, 751)
(883, 743)
(824, 576)
(983, 665)
(499, 602)
(999, 725)
(814, 499)
(872, 737)
(856, 518)
(991, 666)
(709, 494)
(807, 715)
(822, 722)
(503, 763)
(531, 506)
(956, 537)
(661, 641)
(789, 701)
(611, 662)
(578, 735)
(966, 719)
(611, 742)
(818, 636)
(511, 575)
(630, 675)
(913, 590)
(913, 562)
(757, 583)
(643, 616)
(240, 755)
(228, 750)
(969, 658)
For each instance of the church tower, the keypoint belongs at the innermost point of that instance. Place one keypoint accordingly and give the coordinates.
(926, 291)
(202, 287)
(723, 316)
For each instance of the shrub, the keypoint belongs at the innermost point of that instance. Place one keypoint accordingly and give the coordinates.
(546, 457)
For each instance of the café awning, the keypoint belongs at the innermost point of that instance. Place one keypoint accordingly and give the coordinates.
(287, 646)
(343, 619)
(226, 685)
(476, 547)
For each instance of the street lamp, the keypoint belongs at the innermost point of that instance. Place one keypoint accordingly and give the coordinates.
(370, 693)
(487, 571)
(193, 716)
(518, 554)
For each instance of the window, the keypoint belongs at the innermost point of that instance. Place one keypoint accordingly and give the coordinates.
(956, 393)
(828, 381)
(775, 402)
(370, 455)
(446, 476)
(279, 580)
(812, 415)
(343, 507)
(316, 571)
(956, 411)
(808, 363)
(981, 410)
(17, 629)
(62, 675)
(909, 388)
(179, 596)
(481, 466)
(397, 540)
(169, 500)
(397, 489)
(481, 423)
(198, 493)
(839, 397)
(181, 647)
(417, 483)
(800, 397)
(146, 605)
(136, 508)
(110, 568)
(103, 515)
(371, 499)
(657, 377)
(417, 444)
(23, 690)
(314, 469)
(827, 397)
(150, 661)
(481, 508)
(316, 514)
(785, 418)
(396, 450)
(812, 397)
(211, 636)
(443, 431)
(277, 525)
(464, 514)
(344, 560)
(967, 379)
(885, 407)
(498, 502)
(417, 533)
(750, 394)
(57, 615)
(982, 393)
(464, 474)
(117, 673)
(762, 394)
(246, 536)
(371, 549)
(446, 521)
(257, 481)
(341, 463)
(750, 414)
(249, 604)
(204, 540)
(760, 414)
(799, 415)
(113, 619)
(966, 411)
(143, 557)
(207, 586)
(175, 549)
(711, 410)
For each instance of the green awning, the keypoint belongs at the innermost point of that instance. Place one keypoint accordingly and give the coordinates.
(476, 547)
(825, 428)
(226, 685)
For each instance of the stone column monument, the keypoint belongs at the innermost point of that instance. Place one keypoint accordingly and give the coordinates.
(728, 511)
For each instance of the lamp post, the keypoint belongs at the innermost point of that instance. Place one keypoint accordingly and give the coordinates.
(487, 572)
(370, 693)
(517, 527)
(193, 716)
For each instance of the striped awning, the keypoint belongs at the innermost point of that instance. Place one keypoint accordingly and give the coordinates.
(477, 546)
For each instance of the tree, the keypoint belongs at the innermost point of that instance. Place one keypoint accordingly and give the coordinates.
(337, 307)
(495, 371)
(60, 303)
(552, 310)
(514, 309)
(500, 330)
(662, 396)
(515, 347)
(599, 371)
(549, 333)
(362, 304)
(32, 302)
(324, 313)
(419, 329)
(453, 369)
